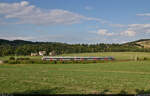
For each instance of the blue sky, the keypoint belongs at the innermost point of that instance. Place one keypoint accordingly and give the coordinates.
(75, 21)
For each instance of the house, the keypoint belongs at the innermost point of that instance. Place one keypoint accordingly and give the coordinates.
(1, 62)
(52, 53)
(34, 54)
(42, 53)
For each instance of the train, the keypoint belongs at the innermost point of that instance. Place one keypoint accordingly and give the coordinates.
(75, 58)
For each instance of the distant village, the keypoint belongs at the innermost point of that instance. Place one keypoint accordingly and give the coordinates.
(43, 53)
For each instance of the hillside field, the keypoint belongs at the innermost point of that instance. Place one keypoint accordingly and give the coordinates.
(127, 77)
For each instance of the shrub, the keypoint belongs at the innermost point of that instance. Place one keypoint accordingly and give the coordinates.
(23, 58)
(26, 58)
(145, 58)
(138, 58)
(35, 61)
(6, 61)
(12, 58)
(13, 62)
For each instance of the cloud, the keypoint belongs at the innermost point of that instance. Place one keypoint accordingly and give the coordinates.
(16, 38)
(104, 32)
(24, 13)
(140, 28)
(117, 25)
(134, 29)
(143, 14)
(129, 33)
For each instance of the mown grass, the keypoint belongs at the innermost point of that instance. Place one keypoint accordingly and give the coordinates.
(116, 55)
(131, 77)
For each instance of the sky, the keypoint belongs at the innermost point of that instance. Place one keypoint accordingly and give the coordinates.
(75, 21)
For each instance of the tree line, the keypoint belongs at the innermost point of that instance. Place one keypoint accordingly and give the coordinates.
(21, 47)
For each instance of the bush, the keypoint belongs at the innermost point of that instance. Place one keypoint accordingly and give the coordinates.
(12, 58)
(26, 58)
(23, 58)
(138, 58)
(25, 61)
(6, 61)
(145, 58)
(13, 62)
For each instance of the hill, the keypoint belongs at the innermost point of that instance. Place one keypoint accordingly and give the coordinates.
(21, 47)
(142, 43)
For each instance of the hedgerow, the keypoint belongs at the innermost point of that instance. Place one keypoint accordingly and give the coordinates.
(49, 62)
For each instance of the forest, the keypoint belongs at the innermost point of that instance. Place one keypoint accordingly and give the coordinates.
(21, 47)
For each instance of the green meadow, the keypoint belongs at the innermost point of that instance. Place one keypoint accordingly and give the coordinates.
(116, 55)
(122, 77)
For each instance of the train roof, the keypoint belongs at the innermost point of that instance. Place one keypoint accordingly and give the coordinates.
(74, 57)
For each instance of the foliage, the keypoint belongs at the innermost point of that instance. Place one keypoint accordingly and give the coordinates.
(21, 58)
(50, 62)
(20, 47)
(12, 58)
(145, 58)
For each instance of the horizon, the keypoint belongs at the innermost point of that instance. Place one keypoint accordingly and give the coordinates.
(72, 43)
(75, 22)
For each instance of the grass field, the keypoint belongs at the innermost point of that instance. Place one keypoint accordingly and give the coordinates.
(130, 77)
(125, 77)
(116, 55)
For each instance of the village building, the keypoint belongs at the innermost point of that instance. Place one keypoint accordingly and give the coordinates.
(52, 53)
(42, 53)
(34, 54)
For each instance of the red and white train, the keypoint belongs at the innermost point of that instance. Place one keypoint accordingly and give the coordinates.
(75, 58)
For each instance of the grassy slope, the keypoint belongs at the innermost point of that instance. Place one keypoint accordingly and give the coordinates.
(124, 77)
(146, 44)
(142, 42)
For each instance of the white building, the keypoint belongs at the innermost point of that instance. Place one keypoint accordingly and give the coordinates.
(42, 53)
(34, 54)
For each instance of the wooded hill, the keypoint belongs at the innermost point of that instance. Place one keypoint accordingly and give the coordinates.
(21, 47)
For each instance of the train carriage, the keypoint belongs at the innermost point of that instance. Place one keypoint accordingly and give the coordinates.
(75, 58)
